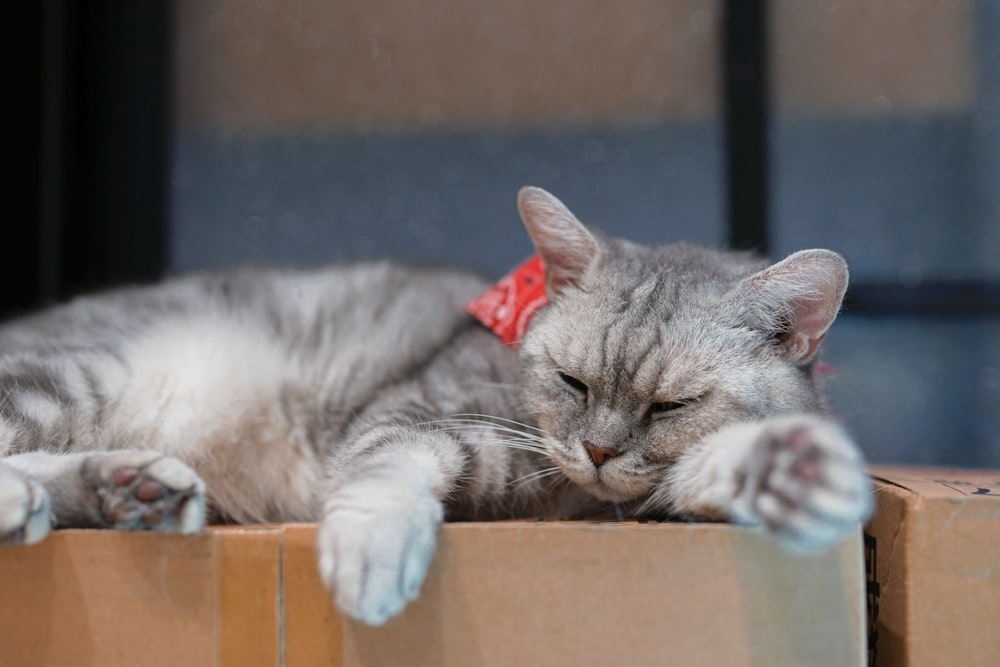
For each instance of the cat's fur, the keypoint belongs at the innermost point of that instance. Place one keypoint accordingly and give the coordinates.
(675, 380)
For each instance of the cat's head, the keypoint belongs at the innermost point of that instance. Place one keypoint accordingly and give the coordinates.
(643, 351)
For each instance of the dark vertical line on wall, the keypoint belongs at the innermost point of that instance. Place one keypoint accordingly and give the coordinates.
(116, 144)
(19, 277)
(52, 141)
(98, 95)
(745, 102)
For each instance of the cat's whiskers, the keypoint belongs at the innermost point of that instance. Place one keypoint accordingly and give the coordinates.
(507, 444)
(653, 501)
(490, 419)
(535, 475)
(471, 427)
(487, 435)
(483, 430)
(507, 425)
(497, 385)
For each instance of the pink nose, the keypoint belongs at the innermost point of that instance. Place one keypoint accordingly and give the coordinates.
(599, 454)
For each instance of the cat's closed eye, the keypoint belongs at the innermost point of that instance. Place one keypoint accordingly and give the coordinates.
(576, 385)
(663, 408)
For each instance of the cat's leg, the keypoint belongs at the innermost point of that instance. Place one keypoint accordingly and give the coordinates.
(382, 509)
(799, 476)
(127, 489)
(61, 404)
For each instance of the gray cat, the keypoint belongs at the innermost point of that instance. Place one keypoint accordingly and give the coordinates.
(671, 381)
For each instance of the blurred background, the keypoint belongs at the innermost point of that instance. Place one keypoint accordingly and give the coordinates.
(187, 135)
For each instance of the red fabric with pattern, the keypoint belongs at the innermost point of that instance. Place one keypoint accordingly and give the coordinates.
(507, 307)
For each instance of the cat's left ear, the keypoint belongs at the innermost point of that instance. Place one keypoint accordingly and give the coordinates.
(566, 246)
(796, 300)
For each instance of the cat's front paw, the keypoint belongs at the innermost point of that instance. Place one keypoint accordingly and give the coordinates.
(145, 490)
(375, 544)
(805, 481)
(25, 517)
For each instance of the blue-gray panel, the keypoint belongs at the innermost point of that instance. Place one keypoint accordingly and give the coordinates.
(923, 391)
(438, 197)
(906, 199)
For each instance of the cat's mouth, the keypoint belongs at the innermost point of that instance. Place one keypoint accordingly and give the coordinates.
(610, 482)
(613, 486)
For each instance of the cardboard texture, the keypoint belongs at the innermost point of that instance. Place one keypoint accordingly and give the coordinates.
(932, 552)
(623, 594)
(562, 593)
(112, 598)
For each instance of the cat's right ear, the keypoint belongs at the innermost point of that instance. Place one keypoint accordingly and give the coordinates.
(566, 246)
(795, 300)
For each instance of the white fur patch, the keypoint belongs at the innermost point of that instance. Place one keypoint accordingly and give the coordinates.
(38, 407)
(210, 393)
(192, 376)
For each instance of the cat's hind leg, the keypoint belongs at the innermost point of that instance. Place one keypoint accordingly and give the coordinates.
(124, 489)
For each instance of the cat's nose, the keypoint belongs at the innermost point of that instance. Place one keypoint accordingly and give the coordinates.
(599, 454)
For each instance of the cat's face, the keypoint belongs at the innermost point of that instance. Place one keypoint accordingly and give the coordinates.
(639, 373)
(642, 352)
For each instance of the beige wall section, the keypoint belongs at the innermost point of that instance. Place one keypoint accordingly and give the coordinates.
(297, 65)
(306, 65)
(872, 57)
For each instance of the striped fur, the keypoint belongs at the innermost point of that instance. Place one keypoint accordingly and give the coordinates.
(364, 398)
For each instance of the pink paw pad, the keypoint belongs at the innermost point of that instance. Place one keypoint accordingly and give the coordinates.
(147, 492)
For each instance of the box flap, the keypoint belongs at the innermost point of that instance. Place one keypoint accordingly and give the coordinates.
(932, 550)
(940, 482)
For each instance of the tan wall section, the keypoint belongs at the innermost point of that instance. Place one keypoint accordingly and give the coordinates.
(869, 57)
(317, 64)
(307, 65)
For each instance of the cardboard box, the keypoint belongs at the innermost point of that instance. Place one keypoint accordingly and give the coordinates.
(509, 593)
(932, 552)
(92, 598)
(578, 594)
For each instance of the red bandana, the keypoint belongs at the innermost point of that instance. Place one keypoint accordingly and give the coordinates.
(507, 307)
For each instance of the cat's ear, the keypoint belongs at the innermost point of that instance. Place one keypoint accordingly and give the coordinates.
(796, 300)
(565, 245)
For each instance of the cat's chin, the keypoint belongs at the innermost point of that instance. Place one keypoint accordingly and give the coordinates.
(617, 489)
(607, 493)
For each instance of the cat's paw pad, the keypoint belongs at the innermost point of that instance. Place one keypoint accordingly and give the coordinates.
(25, 517)
(142, 490)
(806, 482)
(374, 549)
